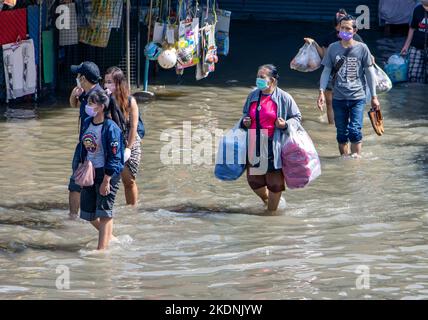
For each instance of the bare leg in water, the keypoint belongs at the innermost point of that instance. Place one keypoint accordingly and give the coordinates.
(356, 149)
(74, 204)
(329, 103)
(270, 199)
(131, 190)
(343, 149)
(96, 223)
(105, 232)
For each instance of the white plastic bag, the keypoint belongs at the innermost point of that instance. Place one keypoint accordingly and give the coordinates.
(300, 162)
(383, 83)
(396, 59)
(307, 59)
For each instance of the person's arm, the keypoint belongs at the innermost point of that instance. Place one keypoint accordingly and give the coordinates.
(371, 82)
(74, 97)
(113, 162)
(245, 121)
(408, 42)
(291, 113)
(320, 50)
(133, 117)
(325, 78)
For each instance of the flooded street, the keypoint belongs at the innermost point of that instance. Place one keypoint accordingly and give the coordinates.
(195, 237)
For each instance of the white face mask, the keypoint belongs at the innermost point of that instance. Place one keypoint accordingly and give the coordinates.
(79, 85)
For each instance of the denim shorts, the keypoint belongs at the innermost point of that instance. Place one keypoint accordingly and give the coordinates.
(348, 118)
(73, 186)
(92, 204)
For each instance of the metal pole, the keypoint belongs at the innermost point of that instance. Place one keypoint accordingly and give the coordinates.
(138, 51)
(128, 40)
(147, 65)
(39, 67)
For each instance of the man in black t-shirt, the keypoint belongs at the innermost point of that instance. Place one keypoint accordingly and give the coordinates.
(417, 43)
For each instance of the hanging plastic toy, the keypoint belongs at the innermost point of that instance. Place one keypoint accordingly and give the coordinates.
(152, 50)
(168, 58)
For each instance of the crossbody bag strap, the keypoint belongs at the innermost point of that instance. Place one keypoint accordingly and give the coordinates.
(339, 64)
(258, 126)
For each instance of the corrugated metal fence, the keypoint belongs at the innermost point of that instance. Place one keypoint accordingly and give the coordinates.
(298, 10)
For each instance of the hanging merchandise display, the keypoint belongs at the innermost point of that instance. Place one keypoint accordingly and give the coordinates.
(33, 13)
(19, 69)
(97, 33)
(222, 22)
(152, 50)
(48, 56)
(13, 25)
(168, 58)
(117, 14)
(188, 41)
(185, 38)
(208, 51)
(97, 37)
(2, 81)
(159, 32)
(84, 12)
(69, 36)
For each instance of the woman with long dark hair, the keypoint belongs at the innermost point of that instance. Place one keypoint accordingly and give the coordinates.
(101, 144)
(115, 81)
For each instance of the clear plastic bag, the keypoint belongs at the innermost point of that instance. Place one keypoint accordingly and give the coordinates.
(300, 162)
(307, 59)
(383, 83)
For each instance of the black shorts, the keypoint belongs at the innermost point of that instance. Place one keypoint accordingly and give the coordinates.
(92, 204)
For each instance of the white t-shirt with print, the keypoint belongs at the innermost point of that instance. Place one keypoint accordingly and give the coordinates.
(92, 142)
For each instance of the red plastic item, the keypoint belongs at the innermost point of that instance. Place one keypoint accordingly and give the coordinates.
(13, 25)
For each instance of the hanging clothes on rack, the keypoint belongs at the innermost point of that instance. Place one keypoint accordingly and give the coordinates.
(70, 36)
(2, 80)
(83, 11)
(117, 14)
(97, 33)
(19, 69)
(13, 24)
(33, 22)
(48, 56)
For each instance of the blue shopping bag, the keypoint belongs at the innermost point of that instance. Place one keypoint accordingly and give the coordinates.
(231, 155)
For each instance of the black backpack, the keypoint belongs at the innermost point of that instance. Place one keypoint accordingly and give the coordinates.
(118, 117)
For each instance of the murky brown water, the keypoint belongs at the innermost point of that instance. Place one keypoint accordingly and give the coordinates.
(195, 237)
(191, 236)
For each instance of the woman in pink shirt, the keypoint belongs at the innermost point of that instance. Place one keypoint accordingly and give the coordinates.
(265, 114)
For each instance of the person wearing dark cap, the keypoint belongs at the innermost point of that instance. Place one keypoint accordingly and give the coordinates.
(330, 38)
(87, 81)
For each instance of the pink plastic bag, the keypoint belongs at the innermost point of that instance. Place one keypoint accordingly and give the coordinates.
(300, 162)
(84, 175)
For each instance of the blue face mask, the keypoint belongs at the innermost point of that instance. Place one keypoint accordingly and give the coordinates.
(262, 84)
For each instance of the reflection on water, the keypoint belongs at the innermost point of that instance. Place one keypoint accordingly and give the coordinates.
(193, 236)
